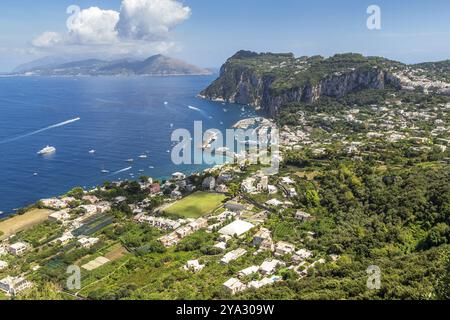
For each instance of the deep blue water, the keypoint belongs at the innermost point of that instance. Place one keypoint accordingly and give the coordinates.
(120, 118)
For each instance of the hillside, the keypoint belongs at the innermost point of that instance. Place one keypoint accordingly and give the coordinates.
(157, 65)
(270, 81)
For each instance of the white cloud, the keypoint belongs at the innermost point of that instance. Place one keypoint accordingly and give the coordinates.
(141, 25)
(150, 19)
(47, 39)
(93, 26)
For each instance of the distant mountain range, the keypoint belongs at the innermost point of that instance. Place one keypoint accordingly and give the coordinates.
(157, 65)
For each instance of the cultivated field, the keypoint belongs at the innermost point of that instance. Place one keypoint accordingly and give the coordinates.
(27, 220)
(196, 205)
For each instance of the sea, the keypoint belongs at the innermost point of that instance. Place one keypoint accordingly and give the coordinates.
(97, 125)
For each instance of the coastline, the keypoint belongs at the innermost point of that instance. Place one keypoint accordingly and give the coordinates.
(11, 223)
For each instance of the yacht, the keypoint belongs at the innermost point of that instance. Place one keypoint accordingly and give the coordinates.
(105, 171)
(92, 151)
(129, 160)
(143, 156)
(47, 150)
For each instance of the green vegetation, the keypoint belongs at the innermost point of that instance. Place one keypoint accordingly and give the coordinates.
(196, 205)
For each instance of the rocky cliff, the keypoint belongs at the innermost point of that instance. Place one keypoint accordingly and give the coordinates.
(269, 81)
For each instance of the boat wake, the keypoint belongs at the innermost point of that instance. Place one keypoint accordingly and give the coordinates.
(202, 112)
(122, 170)
(61, 124)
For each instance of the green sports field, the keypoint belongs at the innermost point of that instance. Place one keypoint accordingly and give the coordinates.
(196, 205)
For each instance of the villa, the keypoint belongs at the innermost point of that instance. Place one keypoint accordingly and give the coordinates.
(233, 255)
(248, 271)
(274, 202)
(282, 248)
(221, 245)
(88, 242)
(193, 266)
(301, 255)
(263, 282)
(18, 248)
(234, 285)
(54, 203)
(269, 266)
(14, 285)
(62, 215)
(260, 236)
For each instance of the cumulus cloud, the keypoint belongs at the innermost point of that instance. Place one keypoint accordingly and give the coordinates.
(47, 39)
(93, 26)
(150, 19)
(140, 24)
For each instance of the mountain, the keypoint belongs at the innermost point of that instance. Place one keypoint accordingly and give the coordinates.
(157, 65)
(46, 62)
(272, 80)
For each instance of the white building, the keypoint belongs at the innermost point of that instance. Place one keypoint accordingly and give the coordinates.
(88, 242)
(270, 266)
(65, 238)
(292, 193)
(248, 271)
(13, 285)
(302, 216)
(248, 185)
(237, 227)
(18, 248)
(234, 285)
(178, 176)
(301, 255)
(54, 203)
(193, 266)
(62, 215)
(287, 180)
(263, 282)
(274, 202)
(233, 255)
(272, 189)
(221, 245)
(282, 248)
(3, 265)
(260, 236)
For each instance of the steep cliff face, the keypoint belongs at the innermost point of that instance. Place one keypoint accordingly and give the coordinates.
(276, 80)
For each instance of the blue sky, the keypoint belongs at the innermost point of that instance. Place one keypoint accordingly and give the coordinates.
(411, 31)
